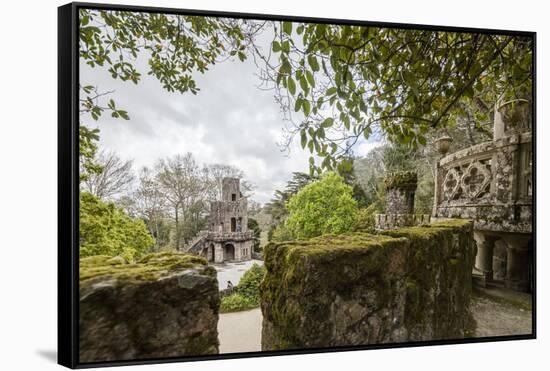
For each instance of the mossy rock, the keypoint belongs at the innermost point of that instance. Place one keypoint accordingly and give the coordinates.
(164, 305)
(407, 284)
(150, 267)
(401, 179)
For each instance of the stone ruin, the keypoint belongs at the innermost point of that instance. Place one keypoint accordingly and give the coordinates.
(400, 188)
(227, 237)
(492, 184)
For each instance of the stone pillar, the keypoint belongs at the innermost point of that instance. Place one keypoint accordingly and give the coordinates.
(218, 253)
(517, 262)
(484, 256)
(238, 251)
(499, 261)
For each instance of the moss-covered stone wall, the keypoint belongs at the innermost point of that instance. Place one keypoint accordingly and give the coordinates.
(165, 305)
(408, 284)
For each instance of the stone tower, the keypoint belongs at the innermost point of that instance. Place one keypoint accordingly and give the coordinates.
(229, 214)
(401, 188)
(227, 237)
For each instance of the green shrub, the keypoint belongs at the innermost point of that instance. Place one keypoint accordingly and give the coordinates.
(325, 206)
(365, 219)
(235, 303)
(107, 230)
(281, 233)
(246, 295)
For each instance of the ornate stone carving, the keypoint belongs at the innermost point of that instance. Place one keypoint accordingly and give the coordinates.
(451, 184)
(475, 180)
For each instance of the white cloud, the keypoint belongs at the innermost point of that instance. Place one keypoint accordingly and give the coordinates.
(229, 121)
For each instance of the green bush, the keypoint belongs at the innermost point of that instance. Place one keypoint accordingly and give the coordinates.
(322, 207)
(281, 233)
(236, 303)
(246, 295)
(365, 218)
(107, 230)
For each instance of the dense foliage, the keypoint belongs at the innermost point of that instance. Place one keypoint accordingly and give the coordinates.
(324, 206)
(255, 227)
(340, 83)
(246, 295)
(106, 229)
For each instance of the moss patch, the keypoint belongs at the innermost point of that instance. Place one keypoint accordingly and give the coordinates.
(150, 267)
(408, 284)
(401, 179)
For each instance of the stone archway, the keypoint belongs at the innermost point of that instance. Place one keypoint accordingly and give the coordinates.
(228, 252)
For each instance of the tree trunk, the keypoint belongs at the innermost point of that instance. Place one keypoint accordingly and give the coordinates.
(177, 230)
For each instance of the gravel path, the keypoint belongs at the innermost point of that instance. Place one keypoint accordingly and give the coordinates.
(497, 315)
(496, 312)
(240, 331)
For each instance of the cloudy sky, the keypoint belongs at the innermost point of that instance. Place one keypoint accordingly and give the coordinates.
(230, 121)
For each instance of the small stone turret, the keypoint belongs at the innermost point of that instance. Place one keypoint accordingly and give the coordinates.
(401, 188)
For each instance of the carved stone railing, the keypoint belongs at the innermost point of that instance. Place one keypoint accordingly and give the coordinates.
(198, 243)
(233, 236)
(490, 183)
(392, 221)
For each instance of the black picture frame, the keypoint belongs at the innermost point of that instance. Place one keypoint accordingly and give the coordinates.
(68, 183)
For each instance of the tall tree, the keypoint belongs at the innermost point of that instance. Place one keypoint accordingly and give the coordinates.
(114, 177)
(216, 173)
(150, 203)
(183, 183)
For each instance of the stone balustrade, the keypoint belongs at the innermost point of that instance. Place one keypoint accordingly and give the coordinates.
(490, 183)
(230, 236)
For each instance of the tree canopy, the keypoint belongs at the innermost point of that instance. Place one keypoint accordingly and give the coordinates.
(324, 206)
(106, 229)
(338, 84)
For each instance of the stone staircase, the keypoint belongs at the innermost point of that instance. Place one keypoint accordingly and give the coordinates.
(196, 244)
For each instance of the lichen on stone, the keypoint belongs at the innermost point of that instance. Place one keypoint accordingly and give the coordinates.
(401, 179)
(150, 267)
(164, 305)
(407, 284)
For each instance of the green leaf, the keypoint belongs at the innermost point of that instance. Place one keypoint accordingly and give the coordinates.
(312, 60)
(291, 85)
(303, 83)
(306, 107)
(287, 27)
(331, 91)
(310, 78)
(327, 122)
(124, 115)
(303, 138)
(298, 104)
(276, 47)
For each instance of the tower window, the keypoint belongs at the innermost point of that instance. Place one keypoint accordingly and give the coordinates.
(233, 197)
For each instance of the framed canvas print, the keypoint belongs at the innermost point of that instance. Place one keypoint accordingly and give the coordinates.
(237, 185)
